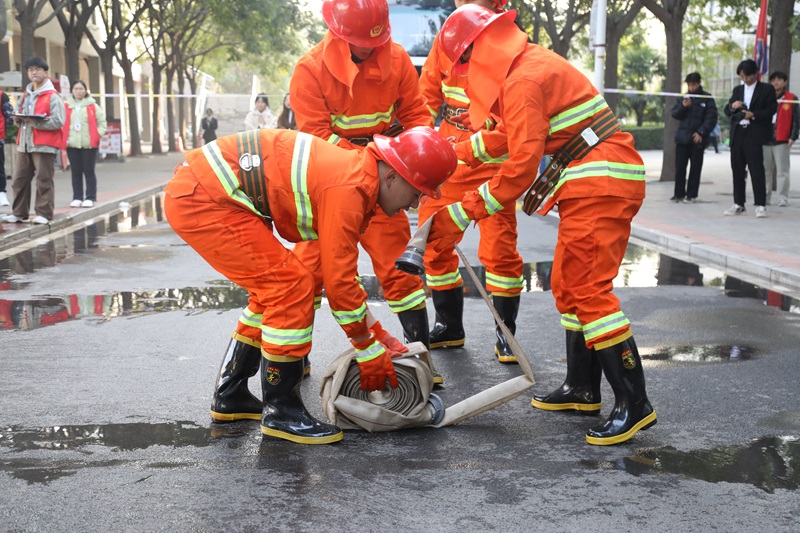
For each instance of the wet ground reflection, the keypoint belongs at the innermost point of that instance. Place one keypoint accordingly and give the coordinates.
(768, 463)
(641, 268)
(704, 353)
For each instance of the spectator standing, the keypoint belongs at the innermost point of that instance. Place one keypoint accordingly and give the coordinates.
(85, 123)
(40, 115)
(261, 117)
(785, 130)
(716, 137)
(209, 126)
(697, 113)
(286, 119)
(5, 116)
(750, 107)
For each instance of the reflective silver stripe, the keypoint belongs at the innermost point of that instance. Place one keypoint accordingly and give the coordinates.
(458, 215)
(286, 337)
(374, 350)
(348, 317)
(455, 93)
(604, 325)
(250, 318)
(575, 114)
(302, 202)
(624, 171)
(226, 175)
(444, 279)
(412, 300)
(334, 139)
(504, 282)
(480, 153)
(345, 122)
(571, 322)
(492, 205)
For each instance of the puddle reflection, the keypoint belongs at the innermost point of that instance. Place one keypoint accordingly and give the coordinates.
(768, 463)
(705, 353)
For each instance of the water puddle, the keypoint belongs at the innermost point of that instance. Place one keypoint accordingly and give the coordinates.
(701, 354)
(119, 437)
(641, 268)
(768, 463)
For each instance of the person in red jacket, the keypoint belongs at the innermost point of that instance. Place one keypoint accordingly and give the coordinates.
(785, 131)
(547, 106)
(355, 84)
(497, 251)
(228, 200)
(40, 115)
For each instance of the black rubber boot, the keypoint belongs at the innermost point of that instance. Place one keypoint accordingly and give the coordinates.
(581, 388)
(285, 416)
(415, 329)
(632, 410)
(448, 331)
(507, 307)
(232, 399)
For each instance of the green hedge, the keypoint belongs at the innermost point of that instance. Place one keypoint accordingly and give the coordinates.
(647, 137)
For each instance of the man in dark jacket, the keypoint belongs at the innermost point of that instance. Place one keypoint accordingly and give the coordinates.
(697, 112)
(751, 108)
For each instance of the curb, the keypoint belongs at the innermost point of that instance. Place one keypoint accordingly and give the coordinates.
(16, 238)
(762, 273)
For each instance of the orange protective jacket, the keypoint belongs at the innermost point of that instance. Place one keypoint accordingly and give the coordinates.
(545, 102)
(314, 192)
(336, 99)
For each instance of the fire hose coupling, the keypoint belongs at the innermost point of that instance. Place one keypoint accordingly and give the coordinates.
(412, 260)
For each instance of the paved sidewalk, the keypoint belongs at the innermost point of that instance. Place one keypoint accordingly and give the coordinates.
(762, 251)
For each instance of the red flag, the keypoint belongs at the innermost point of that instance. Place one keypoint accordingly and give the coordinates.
(760, 52)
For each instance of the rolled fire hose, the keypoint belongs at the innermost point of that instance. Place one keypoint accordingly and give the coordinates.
(412, 403)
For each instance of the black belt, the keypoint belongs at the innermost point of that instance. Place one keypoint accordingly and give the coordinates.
(393, 131)
(448, 112)
(252, 180)
(604, 124)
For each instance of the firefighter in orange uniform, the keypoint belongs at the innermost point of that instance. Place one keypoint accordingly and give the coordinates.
(497, 250)
(225, 200)
(354, 84)
(596, 177)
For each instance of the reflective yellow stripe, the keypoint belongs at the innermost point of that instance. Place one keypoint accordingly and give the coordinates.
(302, 202)
(504, 282)
(575, 114)
(479, 150)
(345, 122)
(594, 169)
(434, 112)
(286, 337)
(412, 300)
(250, 318)
(444, 279)
(604, 325)
(317, 302)
(226, 175)
(374, 350)
(458, 215)
(492, 205)
(334, 139)
(571, 322)
(348, 317)
(455, 93)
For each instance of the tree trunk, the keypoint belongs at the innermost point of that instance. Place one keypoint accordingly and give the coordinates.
(72, 45)
(26, 23)
(192, 106)
(157, 110)
(181, 110)
(133, 116)
(171, 146)
(672, 84)
(780, 43)
(107, 60)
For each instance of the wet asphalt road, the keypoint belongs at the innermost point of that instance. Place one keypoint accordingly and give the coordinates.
(104, 422)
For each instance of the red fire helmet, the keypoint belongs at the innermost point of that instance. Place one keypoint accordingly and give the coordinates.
(362, 23)
(464, 25)
(421, 156)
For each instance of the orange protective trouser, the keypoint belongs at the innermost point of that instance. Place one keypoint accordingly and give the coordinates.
(497, 249)
(384, 240)
(592, 238)
(243, 248)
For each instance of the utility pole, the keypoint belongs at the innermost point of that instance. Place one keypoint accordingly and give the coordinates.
(598, 42)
